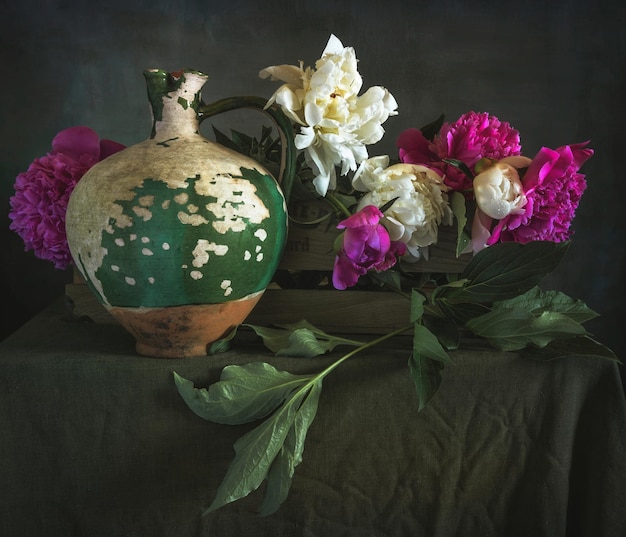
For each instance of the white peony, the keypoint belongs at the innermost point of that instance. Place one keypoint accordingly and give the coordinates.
(421, 204)
(498, 189)
(335, 122)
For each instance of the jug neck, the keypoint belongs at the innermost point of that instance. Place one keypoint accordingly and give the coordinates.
(174, 101)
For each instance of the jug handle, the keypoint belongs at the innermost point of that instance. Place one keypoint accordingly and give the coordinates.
(282, 124)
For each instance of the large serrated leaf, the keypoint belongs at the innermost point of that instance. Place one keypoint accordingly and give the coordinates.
(243, 394)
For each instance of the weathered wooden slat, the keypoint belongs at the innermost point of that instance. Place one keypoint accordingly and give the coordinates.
(354, 312)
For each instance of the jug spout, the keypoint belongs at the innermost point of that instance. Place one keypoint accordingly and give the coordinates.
(174, 100)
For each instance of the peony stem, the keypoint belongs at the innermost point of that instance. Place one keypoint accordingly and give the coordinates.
(336, 202)
(363, 347)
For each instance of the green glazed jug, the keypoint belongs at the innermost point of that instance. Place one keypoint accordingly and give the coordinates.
(179, 236)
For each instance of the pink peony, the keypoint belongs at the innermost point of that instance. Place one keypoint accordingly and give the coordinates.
(415, 148)
(553, 188)
(472, 137)
(366, 246)
(42, 192)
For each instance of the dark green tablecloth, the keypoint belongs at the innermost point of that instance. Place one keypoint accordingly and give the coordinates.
(96, 442)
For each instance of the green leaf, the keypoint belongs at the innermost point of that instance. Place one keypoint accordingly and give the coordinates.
(282, 469)
(460, 165)
(457, 204)
(309, 223)
(429, 131)
(566, 348)
(506, 270)
(387, 278)
(243, 394)
(224, 140)
(274, 339)
(388, 205)
(222, 345)
(425, 364)
(462, 312)
(446, 329)
(300, 339)
(303, 323)
(417, 305)
(536, 300)
(511, 329)
(303, 343)
(441, 291)
(241, 139)
(255, 453)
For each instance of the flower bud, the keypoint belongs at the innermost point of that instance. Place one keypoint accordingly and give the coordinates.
(498, 190)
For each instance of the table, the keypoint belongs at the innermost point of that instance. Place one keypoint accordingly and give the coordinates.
(96, 441)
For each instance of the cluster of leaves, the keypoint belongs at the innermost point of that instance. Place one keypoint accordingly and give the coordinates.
(266, 150)
(271, 451)
(496, 298)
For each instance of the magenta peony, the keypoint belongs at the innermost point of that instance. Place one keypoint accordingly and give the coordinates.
(553, 188)
(42, 192)
(366, 246)
(470, 138)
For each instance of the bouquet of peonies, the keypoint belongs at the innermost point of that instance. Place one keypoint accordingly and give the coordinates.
(512, 213)
(471, 171)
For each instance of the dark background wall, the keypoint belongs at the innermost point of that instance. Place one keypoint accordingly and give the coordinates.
(555, 70)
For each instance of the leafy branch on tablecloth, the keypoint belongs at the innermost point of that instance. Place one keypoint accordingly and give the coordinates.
(496, 298)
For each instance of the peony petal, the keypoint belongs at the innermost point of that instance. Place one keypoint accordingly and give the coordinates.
(345, 273)
(581, 153)
(334, 46)
(77, 141)
(369, 215)
(480, 232)
(414, 147)
(291, 74)
(109, 147)
(539, 168)
(517, 161)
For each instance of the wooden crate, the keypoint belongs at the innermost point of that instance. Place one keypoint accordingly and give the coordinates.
(310, 248)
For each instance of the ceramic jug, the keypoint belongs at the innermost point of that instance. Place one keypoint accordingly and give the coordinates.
(179, 236)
